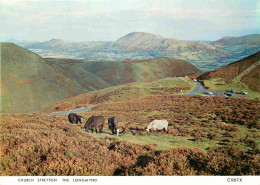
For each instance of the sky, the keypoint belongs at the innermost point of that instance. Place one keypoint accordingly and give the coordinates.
(108, 20)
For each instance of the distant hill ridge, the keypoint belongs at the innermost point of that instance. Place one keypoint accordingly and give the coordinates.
(205, 55)
(148, 41)
(253, 39)
(53, 44)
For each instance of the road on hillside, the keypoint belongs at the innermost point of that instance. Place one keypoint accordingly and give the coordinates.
(199, 89)
(71, 111)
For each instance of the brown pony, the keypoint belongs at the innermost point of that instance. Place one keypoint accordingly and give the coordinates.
(96, 122)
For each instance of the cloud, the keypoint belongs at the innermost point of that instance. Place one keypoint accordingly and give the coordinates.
(16, 2)
(110, 19)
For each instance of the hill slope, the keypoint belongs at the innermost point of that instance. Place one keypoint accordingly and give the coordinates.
(206, 135)
(243, 74)
(130, 91)
(227, 126)
(110, 73)
(30, 83)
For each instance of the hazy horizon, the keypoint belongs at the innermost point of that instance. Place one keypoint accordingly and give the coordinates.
(108, 20)
(71, 41)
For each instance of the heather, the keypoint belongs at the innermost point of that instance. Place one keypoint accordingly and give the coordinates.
(207, 136)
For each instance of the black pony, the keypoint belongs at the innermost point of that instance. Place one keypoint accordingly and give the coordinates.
(74, 118)
(113, 125)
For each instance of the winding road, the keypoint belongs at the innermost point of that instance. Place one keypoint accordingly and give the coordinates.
(198, 89)
(71, 111)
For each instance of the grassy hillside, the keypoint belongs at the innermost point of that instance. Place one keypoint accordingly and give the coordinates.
(207, 135)
(193, 119)
(30, 83)
(252, 79)
(240, 75)
(167, 86)
(138, 103)
(110, 73)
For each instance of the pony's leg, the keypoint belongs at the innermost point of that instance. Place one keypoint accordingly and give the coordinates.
(100, 129)
(114, 131)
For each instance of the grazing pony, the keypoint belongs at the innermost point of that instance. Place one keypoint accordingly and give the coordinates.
(74, 118)
(96, 122)
(113, 125)
(158, 125)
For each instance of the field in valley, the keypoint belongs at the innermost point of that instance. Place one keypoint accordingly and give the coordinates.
(139, 45)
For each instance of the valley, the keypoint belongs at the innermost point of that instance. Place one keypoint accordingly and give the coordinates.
(27, 78)
(206, 56)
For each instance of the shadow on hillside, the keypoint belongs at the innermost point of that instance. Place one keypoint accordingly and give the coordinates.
(222, 144)
(142, 161)
(103, 132)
